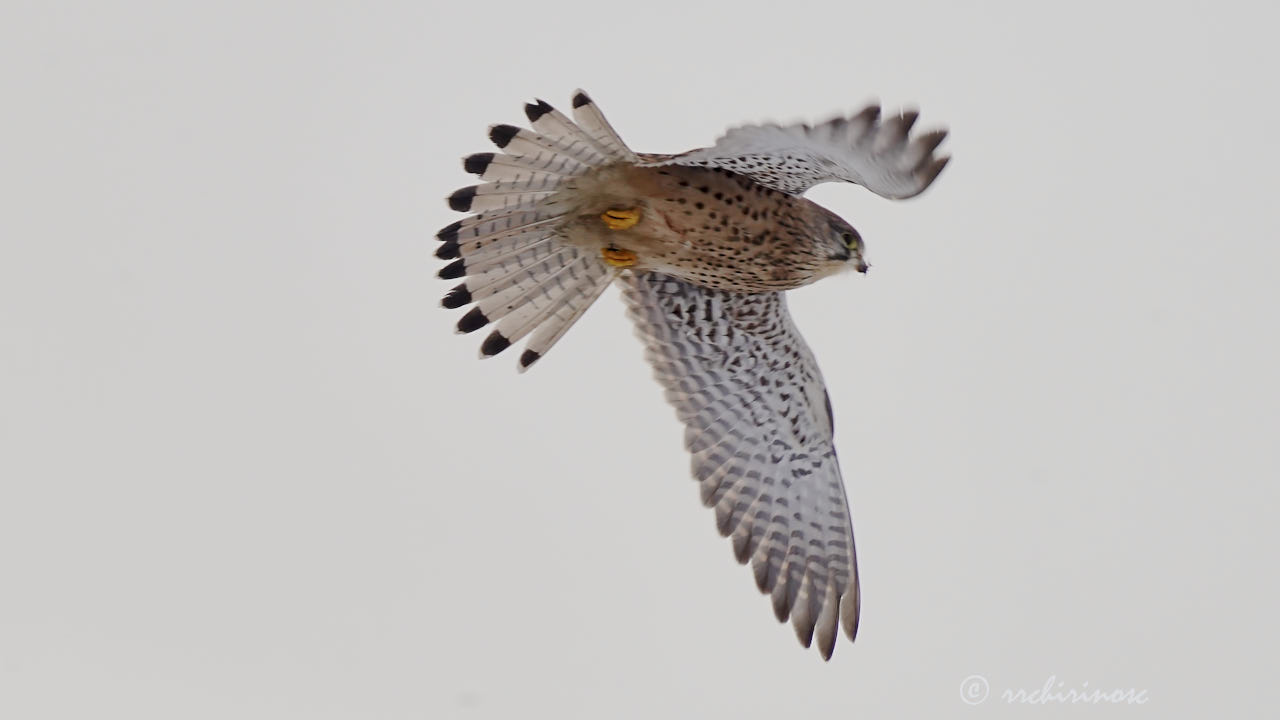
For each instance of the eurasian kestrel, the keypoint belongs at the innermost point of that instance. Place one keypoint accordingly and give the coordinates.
(703, 243)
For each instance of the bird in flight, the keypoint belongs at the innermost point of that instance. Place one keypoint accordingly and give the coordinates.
(703, 245)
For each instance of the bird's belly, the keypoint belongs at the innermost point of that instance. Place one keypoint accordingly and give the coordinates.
(713, 229)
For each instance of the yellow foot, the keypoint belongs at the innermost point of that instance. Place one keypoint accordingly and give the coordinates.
(621, 219)
(617, 257)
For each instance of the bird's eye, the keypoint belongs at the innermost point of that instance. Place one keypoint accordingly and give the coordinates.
(848, 239)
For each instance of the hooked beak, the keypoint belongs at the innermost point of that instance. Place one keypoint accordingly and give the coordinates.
(853, 255)
(859, 263)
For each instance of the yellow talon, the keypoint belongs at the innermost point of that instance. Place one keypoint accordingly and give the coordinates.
(617, 257)
(620, 219)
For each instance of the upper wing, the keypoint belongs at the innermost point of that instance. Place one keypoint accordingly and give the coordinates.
(758, 423)
(878, 155)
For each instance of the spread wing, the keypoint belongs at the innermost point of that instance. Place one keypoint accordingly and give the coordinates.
(758, 424)
(879, 155)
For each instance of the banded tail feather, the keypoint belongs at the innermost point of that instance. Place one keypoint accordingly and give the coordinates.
(498, 166)
(519, 273)
(501, 195)
(537, 147)
(593, 122)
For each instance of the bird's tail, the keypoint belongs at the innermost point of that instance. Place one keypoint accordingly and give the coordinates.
(520, 274)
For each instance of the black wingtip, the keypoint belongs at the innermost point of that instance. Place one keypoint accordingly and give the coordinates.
(760, 571)
(852, 617)
(455, 269)
(908, 120)
(457, 297)
(580, 99)
(476, 164)
(528, 358)
(927, 143)
(494, 344)
(501, 134)
(781, 610)
(868, 115)
(930, 172)
(449, 233)
(448, 251)
(472, 321)
(826, 647)
(461, 198)
(804, 634)
(534, 111)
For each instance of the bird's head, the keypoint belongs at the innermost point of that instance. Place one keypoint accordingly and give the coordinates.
(843, 244)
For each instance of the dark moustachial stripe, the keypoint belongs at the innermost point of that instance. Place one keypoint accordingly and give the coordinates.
(494, 344)
(502, 134)
(472, 321)
(578, 101)
(529, 357)
(457, 297)
(448, 250)
(478, 163)
(449, 233)
(533, 112)
(455, 269)
(461, 198)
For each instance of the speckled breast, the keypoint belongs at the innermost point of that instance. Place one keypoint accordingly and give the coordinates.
(711, 227)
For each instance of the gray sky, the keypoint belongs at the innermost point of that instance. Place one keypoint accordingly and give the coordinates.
(247, 469)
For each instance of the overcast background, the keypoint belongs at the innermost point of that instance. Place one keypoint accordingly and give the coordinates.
(249, 471)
